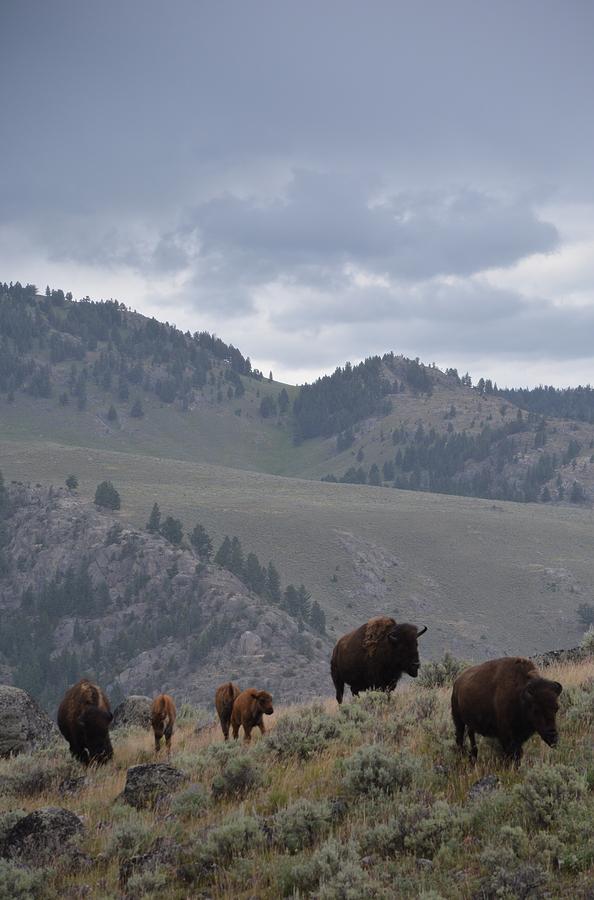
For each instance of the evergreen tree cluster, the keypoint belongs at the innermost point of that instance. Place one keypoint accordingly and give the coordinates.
(119, 350)
(562, 403)
(466, 464)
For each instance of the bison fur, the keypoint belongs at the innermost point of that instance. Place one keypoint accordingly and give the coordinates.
(224, 698)
(505, 699)
(84, 717)
(249, 709)
(375, 655)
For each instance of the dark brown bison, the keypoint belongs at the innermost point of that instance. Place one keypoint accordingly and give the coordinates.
(224, 698)
(84, 717)
(163, 714)
(505, 699)
(375, 655)
(249, 709)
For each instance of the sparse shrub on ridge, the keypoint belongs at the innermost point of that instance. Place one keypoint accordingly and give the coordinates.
(304, 734)
(546, 790)
(147, 884)
(17, 883)
(237, 778)
(372, 770)
(191, 802)
(417, 828)
(129, 837)
(236, 836)
(300, 825)
(323, 865)
(442, 672)
(587, 641)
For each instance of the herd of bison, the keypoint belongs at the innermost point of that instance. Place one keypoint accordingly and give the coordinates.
(502, 698)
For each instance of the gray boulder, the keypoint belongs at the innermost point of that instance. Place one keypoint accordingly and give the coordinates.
(147, 784)
(24, 726)
(250, 644)
(35, 839)
(134, 711)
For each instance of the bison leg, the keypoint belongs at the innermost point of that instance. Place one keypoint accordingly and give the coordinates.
(339, 685)
(158, 736)
(168, 736)
(473, 747)
(247, 733)
(261, 727)
(235, 727)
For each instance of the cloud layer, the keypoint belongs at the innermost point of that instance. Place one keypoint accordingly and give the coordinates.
(315, 182)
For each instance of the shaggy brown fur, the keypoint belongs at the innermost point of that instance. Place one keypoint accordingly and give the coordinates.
(84, 717)
(224, 698)
(163, 714)
(375, 655)
(249, 709)
(506, 699)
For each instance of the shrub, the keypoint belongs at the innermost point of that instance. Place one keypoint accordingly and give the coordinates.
(17, 883)
(128, 838)
(587, 641)
(304, 734)
(300, 825)
(371, 770)
(31, 775)
(236, 836)
(545, 791)
(147, 884)
(237, 778)
(441, 673)
(509, 877)
(417, 828)
(190, 803)
(322, 865)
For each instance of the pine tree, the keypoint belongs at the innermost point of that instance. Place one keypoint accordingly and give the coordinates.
(317, 618)
(172, 530)
(72, 482)
(223, 554)
(137, 412)
(291, 601)
(304, 600)
(112, 414)
(154, 523)
(255, 575)
(236, 561)
(107, 496)
(201, 542)
(273, 585)
(374, 475)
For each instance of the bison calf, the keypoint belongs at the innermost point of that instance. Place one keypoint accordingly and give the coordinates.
(84, 717)
(224, 699)
(163, 714)
(249, 709)
(505, 699)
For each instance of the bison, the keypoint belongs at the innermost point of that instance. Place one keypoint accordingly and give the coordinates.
(248, 710)
(505, 699)
(375, 655)
(84, 717)
(224, 698)
(163, 714)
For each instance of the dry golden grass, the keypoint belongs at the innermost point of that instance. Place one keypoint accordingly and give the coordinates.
(458, 868)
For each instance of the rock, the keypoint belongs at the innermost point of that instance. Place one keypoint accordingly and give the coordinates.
(69, 786)
(24, 726)
(135, 710)
(485, 785)
(38, 837)
(250, 644)
(149, 783)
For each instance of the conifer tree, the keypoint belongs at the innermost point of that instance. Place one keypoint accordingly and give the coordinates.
(154, 523)
(201, 542)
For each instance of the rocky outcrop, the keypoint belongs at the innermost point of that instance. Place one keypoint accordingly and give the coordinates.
(35, 839)
(147, 616)
(24, 726)
(147, 784)
(134, 711)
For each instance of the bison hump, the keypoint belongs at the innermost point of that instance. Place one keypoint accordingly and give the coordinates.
(375, 631)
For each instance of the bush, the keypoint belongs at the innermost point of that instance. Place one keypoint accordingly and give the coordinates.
(190, 803)
(107, 496)
(545, 791)
(17, 883)
(128, 838)
(322, 865)
(147, 884)
(371, 770)
(235, 837)
(587, 641)
(304, 734)
(417, 828)
(509, 877)
(300, 825)
(441, 673)
(238, 777)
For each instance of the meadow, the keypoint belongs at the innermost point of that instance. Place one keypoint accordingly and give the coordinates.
(371, 800)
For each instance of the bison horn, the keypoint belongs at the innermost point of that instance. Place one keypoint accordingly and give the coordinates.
(421, 631)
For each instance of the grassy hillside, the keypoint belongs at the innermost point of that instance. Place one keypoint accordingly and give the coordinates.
(371, 801)
(487, 578)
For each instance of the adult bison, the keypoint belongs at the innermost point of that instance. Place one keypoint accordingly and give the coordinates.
(506, 699)
(375, 655)
(84, 717)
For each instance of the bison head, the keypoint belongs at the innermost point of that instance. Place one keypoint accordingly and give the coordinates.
(95, 723)
(264, 701)
(403, 639)
(540, 698)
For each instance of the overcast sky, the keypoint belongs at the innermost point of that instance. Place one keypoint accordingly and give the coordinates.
(314, 181)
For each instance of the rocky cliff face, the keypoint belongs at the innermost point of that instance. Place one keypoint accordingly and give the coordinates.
(81, 593)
